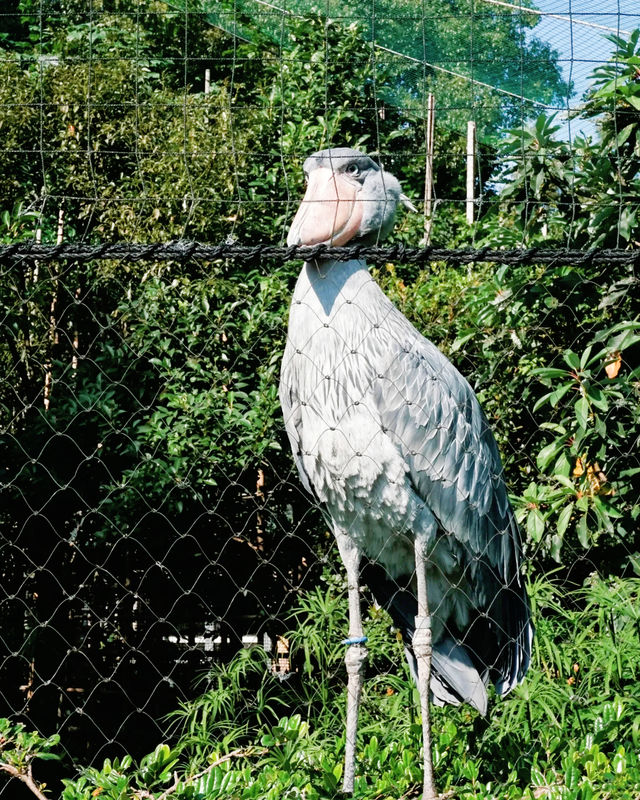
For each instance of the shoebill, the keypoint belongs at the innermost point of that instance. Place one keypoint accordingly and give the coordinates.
(390, 440)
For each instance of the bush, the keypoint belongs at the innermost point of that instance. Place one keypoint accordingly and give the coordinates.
(571, 731)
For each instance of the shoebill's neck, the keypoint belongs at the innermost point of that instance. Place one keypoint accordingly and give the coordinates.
(333, 280)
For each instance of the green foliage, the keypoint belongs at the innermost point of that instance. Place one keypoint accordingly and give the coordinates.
(121, 778)
(580, 694)
(163, 377)
(20, 747)
(179, 398)
(570, 731)
(582, 193)
(217, 364)
(594, 418)
(486, 46)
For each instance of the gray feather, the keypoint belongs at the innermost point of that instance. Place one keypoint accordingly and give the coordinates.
(456, 678)
(389, 437)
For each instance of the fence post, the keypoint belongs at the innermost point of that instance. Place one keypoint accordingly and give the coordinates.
(471, 163)
(53, 335)
(428, 172)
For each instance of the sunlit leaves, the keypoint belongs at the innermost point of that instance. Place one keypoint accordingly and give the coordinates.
(571, 731)
(586, 398)
(584, 192)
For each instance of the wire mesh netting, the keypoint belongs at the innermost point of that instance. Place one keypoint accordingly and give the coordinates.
(168, 570)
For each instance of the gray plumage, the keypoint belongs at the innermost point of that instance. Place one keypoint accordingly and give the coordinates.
(387, 434)
(391, 441)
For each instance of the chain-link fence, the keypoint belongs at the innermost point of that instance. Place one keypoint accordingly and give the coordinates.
(153, 523)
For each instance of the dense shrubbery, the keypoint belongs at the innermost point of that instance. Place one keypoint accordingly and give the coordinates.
(161, 382)
(569, 732)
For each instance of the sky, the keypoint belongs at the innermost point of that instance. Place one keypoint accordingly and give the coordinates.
(583, 46)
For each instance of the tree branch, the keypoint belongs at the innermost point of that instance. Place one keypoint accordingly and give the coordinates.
(26, 778)
(216, 763)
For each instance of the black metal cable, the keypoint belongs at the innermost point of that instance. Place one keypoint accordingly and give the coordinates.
(181, 250)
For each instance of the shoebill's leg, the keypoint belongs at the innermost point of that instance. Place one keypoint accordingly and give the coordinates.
(355, 656)
(422, 650)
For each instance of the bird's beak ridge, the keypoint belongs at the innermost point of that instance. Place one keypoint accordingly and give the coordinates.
(330, 212)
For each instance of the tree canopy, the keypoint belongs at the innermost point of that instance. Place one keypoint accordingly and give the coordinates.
(478, 59)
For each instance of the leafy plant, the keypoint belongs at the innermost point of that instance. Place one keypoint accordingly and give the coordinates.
(570, 731)
(595, 398)
(161, 425)
(583, 193)
(19, 748)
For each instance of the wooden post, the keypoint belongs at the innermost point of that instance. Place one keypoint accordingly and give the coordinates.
(471, 165)
(53, 334)
(34, 275)
(207, 90)
(36, 266)
(76, 337)
(428, 172)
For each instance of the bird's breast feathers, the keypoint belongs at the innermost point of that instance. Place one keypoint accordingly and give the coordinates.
(383, 426)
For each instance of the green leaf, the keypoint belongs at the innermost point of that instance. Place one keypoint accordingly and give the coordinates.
(549, 372)
(583, 531)
(542, 400)
(565, 480)
(601, 427)
(562, 466)
(572, 359)
(461, 340)
(597, 398)
(585, 357)
(559, 393)
(625, 133)
(634, 101)
(619, 762)
(564, 518)
(547, 454)
(556, 547)
(537, 776)
(571, 776)
(552, 426)
(535, 525)
(581, 408)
